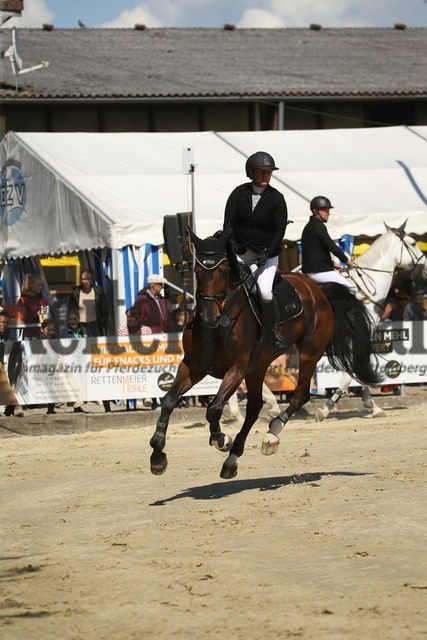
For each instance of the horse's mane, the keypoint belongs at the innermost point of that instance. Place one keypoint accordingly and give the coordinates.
(376, 251)
(235, 268)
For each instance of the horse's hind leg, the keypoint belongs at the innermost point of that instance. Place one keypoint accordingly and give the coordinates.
(233, 409)
(300, 397)
(253, 408)
(369, 403)
(270, 400)
(330, 404)
(183, 382)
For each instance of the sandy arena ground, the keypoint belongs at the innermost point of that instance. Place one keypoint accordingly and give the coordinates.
(324, 540)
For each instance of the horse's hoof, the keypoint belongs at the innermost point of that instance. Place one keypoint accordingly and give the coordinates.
(270, 444)
(229, 468)
(377, 412)
(158, 463)
(321, 414)
(227, 443)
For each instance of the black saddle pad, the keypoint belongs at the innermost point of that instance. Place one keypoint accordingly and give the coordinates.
(288, 300)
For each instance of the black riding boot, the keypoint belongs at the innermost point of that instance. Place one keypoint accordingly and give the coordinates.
(271, 335)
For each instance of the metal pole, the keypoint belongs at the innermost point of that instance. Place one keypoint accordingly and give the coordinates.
(257, 116)
(193, 197)
(281, 116)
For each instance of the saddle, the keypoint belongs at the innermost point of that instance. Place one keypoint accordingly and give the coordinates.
(288, 301)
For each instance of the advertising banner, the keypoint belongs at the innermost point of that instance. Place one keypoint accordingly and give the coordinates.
(401, 349)
(110, 368)
(124, 367)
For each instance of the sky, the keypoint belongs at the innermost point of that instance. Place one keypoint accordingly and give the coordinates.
(216, 13)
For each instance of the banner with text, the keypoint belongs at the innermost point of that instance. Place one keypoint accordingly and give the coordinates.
(120, 368)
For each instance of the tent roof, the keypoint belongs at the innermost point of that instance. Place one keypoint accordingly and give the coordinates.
(68, 191)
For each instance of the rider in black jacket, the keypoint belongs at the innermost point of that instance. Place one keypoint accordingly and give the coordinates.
(257, 215)
(317, 246)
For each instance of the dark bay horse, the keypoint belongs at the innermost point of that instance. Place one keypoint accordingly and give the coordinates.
(223, 339)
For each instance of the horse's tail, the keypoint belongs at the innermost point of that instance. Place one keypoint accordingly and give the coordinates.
(350, 349)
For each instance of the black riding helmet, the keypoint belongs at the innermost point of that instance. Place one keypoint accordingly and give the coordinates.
(260, 160)
(320, 202)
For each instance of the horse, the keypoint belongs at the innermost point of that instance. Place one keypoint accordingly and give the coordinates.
(372, 277)
(224, 339)
(268, 398)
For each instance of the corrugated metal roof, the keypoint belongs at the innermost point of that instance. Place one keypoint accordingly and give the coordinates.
(218, 63)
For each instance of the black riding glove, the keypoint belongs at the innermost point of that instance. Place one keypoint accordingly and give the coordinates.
(260, 260)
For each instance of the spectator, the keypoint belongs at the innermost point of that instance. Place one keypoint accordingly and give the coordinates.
(31, 302)
(91, 303)
(415, 310)
(47, 329)
(153, 307)
(184, 303)
(178, 319)
(133, 327)
(154, 311)
(74, 328)
(395, 306)
(48, 332)
(11, 409)
(133, 324)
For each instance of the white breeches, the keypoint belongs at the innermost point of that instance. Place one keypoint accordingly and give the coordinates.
(264, 275)
(331, 276)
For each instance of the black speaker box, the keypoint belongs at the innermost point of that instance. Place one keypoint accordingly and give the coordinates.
(175, 237)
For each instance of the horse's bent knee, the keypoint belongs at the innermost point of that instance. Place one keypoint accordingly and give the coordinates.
(222, 443)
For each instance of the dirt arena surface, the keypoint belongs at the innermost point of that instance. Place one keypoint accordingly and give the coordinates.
(324, 540)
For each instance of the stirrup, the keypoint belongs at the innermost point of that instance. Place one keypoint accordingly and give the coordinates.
(277, 339)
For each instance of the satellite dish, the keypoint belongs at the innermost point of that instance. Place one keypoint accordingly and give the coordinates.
(16, 58)
(14, 54)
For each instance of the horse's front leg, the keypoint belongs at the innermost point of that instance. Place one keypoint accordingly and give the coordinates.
(254, 383)
(183, 382)
(229, 385)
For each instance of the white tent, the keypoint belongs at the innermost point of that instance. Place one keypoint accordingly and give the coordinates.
(64, 192)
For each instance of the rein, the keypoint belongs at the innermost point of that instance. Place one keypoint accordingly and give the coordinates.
(369, 283)
(209, 264)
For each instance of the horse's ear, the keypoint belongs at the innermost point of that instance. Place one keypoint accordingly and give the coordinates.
(193, 238)
(387, 227)
(401, 229)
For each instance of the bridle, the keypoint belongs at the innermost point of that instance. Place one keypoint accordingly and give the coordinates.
(209, 261)
(369, 288)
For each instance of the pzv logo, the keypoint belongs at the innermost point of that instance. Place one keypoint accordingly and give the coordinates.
(13, 195)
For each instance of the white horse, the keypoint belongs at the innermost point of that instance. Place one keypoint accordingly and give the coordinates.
(268, 397)
(372, 277)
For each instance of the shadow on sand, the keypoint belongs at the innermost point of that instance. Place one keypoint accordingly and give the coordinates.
(219, 490)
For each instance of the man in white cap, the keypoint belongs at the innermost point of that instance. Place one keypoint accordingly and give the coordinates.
(153, 307)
